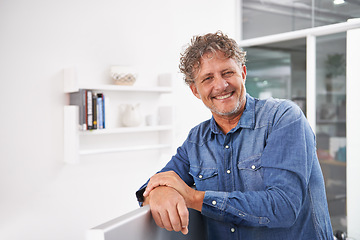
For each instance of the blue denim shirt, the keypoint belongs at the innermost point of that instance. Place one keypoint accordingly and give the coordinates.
(262, 180)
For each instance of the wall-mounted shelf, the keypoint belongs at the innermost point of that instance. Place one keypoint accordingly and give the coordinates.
(109, 87)
(115, 138)
(124, 149)
(128, 130)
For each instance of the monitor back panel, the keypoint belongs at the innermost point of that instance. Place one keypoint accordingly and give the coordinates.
(139, 225)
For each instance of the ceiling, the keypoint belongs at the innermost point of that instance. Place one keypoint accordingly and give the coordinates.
(325, 11)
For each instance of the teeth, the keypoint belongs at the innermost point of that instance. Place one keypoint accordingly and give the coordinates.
(224, 96)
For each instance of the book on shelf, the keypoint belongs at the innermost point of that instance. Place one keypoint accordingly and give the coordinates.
(100, 111)
(89, 112)
(79, 99)
(94, 110)
(91, 109)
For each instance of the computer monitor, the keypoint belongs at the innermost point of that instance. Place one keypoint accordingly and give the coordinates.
(139, 225)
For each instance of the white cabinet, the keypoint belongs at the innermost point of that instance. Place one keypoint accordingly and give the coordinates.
(155, 104)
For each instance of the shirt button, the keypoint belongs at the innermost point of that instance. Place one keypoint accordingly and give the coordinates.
(228, 171)
(253, 167)
(200, 176)
(213, 202)
(232, 230)
(227, 146)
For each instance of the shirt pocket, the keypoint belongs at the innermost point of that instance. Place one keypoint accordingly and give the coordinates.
(205, 178)
(251, 173)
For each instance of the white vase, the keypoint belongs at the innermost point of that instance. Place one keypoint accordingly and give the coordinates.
(131, 115)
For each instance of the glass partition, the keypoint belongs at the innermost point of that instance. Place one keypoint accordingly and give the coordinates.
(278, 70)
(331, 121)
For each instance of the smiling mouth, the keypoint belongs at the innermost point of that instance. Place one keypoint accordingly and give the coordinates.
(224, 96)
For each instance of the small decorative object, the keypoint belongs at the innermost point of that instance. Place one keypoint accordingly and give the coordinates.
(151, 120)
(131, 115)
(122, 75)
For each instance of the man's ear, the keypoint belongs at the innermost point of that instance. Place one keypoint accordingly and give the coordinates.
(243, 73)
(194, 90)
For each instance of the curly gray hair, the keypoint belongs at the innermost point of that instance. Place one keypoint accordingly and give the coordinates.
(211, 42)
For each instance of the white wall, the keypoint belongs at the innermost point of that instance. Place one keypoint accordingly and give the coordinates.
(40, 196)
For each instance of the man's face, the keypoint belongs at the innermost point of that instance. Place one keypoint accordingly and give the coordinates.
(220, 84)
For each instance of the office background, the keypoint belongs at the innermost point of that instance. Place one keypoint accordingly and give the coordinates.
(42, 197)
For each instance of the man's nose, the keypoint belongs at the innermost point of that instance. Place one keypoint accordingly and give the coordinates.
(220, 83)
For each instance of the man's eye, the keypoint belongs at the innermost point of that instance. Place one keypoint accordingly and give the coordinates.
(228, 74)
(206, 79)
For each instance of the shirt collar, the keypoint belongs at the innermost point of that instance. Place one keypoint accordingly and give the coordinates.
(247, 119)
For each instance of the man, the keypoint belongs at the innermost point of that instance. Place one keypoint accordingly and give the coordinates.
(253, 164)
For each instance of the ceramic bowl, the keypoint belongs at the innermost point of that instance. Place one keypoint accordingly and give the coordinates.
(122, 75)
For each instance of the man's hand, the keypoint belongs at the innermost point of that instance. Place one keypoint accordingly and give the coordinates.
(168, 209)
(193, 198)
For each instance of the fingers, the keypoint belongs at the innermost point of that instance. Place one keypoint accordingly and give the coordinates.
(174, 223)
(157, 218)
(169, 209)
(185, 230)
(184, 217)
(169, 179)
(173, 219)
(159, 179)
(151, 185)
(179, 218)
